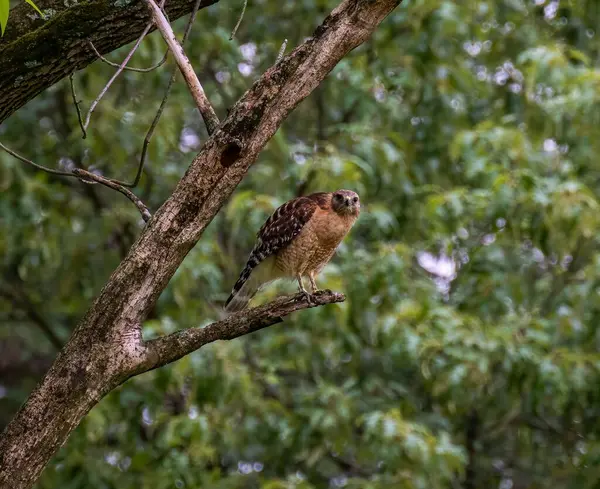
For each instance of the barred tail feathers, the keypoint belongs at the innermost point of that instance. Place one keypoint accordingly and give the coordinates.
(254, 275)
(240, 298)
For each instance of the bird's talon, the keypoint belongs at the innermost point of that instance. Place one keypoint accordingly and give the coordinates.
(308, 296)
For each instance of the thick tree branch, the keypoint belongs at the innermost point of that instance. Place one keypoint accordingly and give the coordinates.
(187, 70)
(106, 348)
(36, 53)
(167, 349)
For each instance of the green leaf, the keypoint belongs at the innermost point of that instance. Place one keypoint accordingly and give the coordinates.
(3, 15)
(30, 2)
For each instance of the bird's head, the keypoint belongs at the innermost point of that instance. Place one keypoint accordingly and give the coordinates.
(345, 202)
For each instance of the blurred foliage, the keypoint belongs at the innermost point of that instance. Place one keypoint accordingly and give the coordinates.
(466, 354)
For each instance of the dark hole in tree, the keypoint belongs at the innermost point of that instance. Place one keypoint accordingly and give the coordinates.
(230, 154)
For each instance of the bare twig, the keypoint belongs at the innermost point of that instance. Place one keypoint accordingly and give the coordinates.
(150, 133)
(129, 68)
(163, 103)
(76, 103)
(190, 22)
(114, 77)
(281, 51)
(119, 70)
(208, 113)
(237, 26)
(167, 349)
(86, 176)
(35, 165)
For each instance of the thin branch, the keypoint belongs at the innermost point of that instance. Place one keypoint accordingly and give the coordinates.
(76, 103)
(86, 176)
(119, 70)
(35, 165)
(191, 20)
(163, 103)
(167, 349)
(208, 113)
(114, 77)
(129, 68)
(472, 432)
(281, 51)
(237, 26)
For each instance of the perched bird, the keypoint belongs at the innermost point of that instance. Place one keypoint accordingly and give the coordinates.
(296, 241)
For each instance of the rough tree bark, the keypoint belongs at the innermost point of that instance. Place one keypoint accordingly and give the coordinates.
(107, 346)
(37, 53)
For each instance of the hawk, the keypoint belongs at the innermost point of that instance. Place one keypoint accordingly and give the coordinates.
(296, 241)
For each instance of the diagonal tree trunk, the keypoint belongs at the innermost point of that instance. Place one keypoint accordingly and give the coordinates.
(107, 347)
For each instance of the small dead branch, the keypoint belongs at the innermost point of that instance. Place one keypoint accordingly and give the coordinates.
(87, 177)
(281, 51)
(113, 78)
(129, 68)
(118, 72)
(35, 165)
(206, 110)
(76, 103)
(237, 26)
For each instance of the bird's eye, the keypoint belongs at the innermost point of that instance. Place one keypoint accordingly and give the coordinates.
(337, 196)
(355, 200)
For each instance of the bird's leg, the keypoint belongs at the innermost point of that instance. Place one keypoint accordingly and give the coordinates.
(303, 291)
(313, 283)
